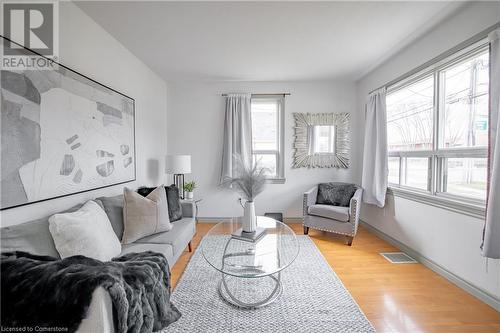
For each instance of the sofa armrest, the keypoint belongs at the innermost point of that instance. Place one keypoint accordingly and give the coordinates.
(355, 207)
(99, 317)
(188, 208)
(310, 198)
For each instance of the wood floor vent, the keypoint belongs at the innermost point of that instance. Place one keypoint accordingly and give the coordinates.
(398, 258)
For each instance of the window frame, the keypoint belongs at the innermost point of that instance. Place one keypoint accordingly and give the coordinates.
(280, 140)
(437, 156)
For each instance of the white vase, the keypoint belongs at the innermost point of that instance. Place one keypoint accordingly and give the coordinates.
(249, 219)
(189, 195)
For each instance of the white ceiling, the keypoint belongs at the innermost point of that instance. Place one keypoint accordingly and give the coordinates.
(265, 41)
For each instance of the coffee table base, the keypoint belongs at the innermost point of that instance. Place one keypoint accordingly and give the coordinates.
(231, 299)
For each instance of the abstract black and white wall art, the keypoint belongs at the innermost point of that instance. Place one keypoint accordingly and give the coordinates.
(62, 133)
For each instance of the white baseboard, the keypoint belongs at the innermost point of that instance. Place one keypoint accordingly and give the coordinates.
(479, 293)
(208, 219)
(227, 219)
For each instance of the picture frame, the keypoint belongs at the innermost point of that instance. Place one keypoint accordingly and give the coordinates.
(63, 133)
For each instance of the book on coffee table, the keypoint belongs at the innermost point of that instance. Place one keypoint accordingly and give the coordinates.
(249, 236)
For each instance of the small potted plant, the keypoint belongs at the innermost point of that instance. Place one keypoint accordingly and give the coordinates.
(189, 188)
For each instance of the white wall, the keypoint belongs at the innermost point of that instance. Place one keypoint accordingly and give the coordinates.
(90, 50)
(449, 239)
(195, 127)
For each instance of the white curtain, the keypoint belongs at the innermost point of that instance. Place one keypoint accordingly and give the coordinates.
(237, 133)
(375, 162)
(491, 233)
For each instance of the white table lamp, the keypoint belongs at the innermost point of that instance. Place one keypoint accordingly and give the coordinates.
(178, 165)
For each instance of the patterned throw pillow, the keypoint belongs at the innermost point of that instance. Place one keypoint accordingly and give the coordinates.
(335, 194)
(174, 201)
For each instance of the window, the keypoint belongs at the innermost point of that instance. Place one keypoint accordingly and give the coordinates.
(437, 129)
(267, 135)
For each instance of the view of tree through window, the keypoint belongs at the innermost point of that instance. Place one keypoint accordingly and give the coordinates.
(409, 116)
(437, 129)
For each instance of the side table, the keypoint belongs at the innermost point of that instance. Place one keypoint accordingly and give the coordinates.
(196, 202)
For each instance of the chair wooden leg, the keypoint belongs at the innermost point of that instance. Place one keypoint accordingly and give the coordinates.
(190, 248)
(348, 240)
(306, 230)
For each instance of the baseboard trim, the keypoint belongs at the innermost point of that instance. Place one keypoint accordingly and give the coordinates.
(227, 219)
(479, 293)
(211, 219)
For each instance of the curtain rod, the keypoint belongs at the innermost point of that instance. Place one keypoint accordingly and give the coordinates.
(283, 94)
(474, 39)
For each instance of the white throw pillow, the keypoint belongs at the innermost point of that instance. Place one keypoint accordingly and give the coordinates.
(86, 232)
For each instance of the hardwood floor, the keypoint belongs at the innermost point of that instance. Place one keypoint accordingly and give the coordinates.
(395, 298)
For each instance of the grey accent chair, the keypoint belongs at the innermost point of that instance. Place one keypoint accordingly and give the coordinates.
(336, 219)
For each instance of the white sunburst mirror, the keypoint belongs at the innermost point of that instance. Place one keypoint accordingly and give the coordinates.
(321, 140)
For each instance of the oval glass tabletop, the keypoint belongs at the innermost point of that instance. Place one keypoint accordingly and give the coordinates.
(274, 251)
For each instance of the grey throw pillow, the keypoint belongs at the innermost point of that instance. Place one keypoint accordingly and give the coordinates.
(144, 216)
(174, 203)
(335, 194)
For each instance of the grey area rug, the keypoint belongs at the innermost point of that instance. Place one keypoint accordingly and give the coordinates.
(313, 300)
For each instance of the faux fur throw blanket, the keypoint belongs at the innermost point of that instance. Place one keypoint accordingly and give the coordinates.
(45, 292)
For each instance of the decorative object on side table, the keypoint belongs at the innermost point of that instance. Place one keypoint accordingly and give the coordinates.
(178, 165)
(250, 181)
(188, 190)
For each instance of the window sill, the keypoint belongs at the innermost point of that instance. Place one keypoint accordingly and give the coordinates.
(469, 209)
(276, 180)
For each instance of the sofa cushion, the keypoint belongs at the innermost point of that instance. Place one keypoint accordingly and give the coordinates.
(33, 236)
(330, 212)
(174, 203)
(165, 249)
(144, 216)
(86, 232)
(113, 206)
(182, 232)
(336, 194)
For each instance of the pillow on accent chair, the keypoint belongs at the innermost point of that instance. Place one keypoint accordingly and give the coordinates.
(144, 216)
(86, 232)
(335, 194)
(174, 201)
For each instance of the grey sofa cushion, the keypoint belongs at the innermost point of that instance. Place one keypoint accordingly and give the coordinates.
(336, 194)
(113, 206)
(165, 249)
(33, 236)
(174, 203)
(182, 232)
(330, 212)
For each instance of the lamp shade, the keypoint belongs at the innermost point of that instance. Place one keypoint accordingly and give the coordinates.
(178, 164)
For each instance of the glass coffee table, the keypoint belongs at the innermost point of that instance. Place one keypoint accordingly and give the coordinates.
(250, 271)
